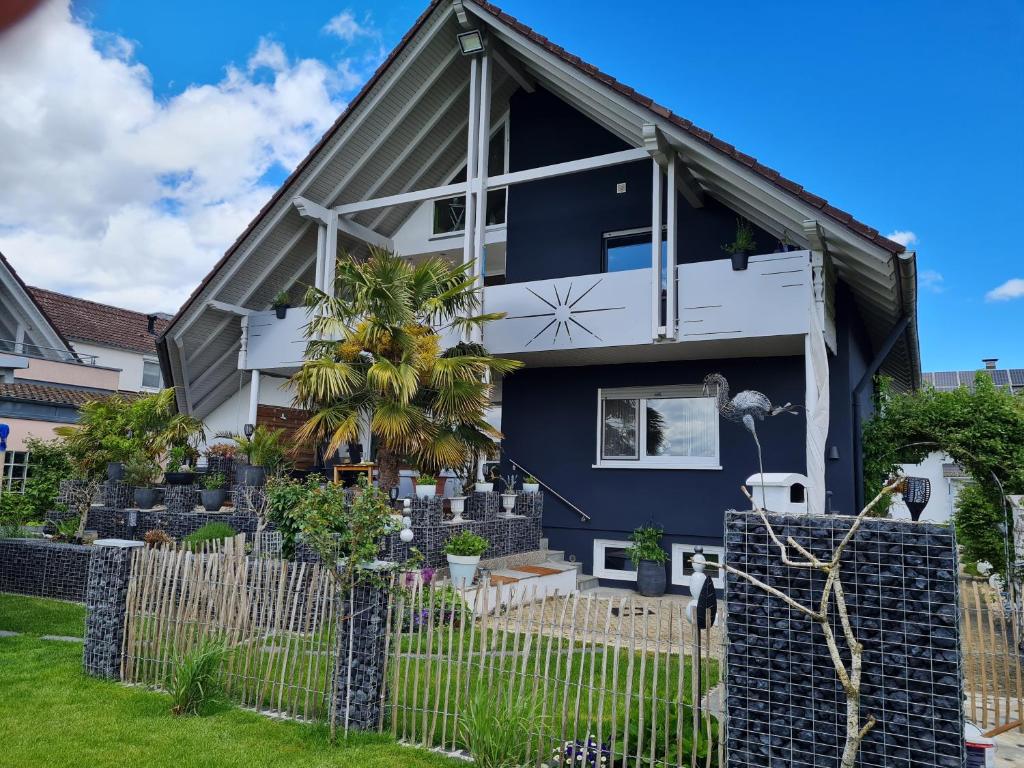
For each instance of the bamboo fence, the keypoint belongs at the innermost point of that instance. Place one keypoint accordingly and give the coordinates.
(612, 680)
(990, 643)
(275, 618)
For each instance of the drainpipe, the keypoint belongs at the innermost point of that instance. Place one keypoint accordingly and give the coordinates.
(906, 268)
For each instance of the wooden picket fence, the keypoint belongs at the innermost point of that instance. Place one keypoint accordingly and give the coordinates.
(620, 678)
(275, 618)
(990, 643)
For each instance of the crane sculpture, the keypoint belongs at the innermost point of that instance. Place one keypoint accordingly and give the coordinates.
(746, 408)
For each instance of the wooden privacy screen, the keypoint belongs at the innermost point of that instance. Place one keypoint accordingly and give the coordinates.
(288, 419)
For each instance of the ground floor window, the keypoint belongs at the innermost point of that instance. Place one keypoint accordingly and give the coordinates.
(611, 560)
(682, 568)
(659, 428)
(15, 471)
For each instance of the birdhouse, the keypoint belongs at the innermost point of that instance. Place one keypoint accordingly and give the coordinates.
(783, 492)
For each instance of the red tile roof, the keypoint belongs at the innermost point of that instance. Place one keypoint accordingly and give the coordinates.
(55, 394)
(96, 323)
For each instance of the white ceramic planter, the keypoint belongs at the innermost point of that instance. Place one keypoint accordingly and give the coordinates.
(458, 504)
(508, 503)
(531, 487)
(426, 491)
(485, 487)
(462, 569)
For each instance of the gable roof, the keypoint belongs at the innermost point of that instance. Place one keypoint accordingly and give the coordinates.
(103, 324)
(887, 273)
(55, 394)
(24, 301)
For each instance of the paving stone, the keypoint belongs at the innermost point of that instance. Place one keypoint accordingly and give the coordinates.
(63, 638)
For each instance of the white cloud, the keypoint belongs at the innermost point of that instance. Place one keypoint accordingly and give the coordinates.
(1011, 289)
(932, 281)
(345, 27)
(904, 237)
(113, 194)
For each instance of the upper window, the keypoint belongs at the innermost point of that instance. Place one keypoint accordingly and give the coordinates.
(450, 212)
(668, 427)
(151, 378)
(631, 249)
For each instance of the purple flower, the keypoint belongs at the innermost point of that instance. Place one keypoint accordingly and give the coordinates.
(427, 574)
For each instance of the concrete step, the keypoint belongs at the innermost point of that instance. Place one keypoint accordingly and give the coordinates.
(585, 581)
(544, 542)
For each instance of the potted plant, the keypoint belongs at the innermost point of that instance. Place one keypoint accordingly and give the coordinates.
(220, 457)
(744, 245)
(649, 559)
(143, 472)
(426, 486)
(281, 304)
(178, 471)
(213, 493)
(457, 502)
(531, 484)
(266, 452)
(463, 551)
(491, 476)
(508, 496)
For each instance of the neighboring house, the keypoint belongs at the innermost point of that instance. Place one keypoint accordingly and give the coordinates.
(569, 174)
(58, 352)
(946, 476)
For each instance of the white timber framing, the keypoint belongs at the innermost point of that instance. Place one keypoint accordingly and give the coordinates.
(471, 144)
(481, 184)
(657, 329)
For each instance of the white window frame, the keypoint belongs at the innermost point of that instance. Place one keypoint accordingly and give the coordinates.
(502, 121)
(652, 462)
(142, 383)
(600, 545)
(680, 553)
(13, 482)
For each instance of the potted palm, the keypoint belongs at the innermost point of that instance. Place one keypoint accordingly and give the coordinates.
(531, 484)
(463, 551)
(426, 486)
(143, 472)
(744, 245)
(212, 494)
(179, 470)
(282, 302)
(649, 559)
(266, 452)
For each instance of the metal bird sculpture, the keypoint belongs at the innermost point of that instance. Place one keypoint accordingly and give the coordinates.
(746, 408)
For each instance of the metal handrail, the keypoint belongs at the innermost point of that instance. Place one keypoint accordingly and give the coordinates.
(583, 515)
(13, 347)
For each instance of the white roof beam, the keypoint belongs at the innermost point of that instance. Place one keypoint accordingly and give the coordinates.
(662, 151)
(310, 210)
(511, 66)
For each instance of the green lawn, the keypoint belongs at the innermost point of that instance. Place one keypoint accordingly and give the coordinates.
(52, 715)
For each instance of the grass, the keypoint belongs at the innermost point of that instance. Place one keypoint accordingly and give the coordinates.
(55, 716)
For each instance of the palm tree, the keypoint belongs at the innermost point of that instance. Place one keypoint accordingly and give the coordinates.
(374, 352)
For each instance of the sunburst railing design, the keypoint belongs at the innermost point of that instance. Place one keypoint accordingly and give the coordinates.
(563, 314)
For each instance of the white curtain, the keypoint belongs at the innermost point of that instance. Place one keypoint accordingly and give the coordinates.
(816, 365)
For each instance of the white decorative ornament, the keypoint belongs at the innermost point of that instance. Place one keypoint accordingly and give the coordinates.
(406, 535)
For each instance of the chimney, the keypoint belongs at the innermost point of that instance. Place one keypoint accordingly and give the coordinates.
(990, 363)
(151, 324)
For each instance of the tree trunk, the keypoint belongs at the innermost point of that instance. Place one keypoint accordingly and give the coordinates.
(387, 461)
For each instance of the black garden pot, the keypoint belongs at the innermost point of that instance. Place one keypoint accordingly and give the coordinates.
(180, 478)
(115, 471)
(650, 578)
(739, 261)
(281, 312)
(254, 476)
(213, 499)
(145, 498)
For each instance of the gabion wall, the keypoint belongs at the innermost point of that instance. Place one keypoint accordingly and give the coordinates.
(44, 569)
(106, 595)
(133, 523)
(359, 663)
(785, 704)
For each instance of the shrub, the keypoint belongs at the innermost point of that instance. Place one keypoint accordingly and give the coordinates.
(195, 679)
(66, 529)
(978, 519)
(157, 537)
(266, 448)
(647, 545)
(284, 496)
(214, 481)
(466, 544)
(425, 479)
(212, 531)
(494, 729)
(141, 471)
(222, 450)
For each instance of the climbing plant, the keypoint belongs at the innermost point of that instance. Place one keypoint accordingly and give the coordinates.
(982, 430)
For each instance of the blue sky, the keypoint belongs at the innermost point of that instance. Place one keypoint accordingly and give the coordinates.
(907, 114)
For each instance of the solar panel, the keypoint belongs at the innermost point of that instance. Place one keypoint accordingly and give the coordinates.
(945, 380)
(1000, 377)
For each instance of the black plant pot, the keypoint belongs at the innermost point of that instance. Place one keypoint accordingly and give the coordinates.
(650, 578)
(355, 453)
(281, 312)
(254, 476)
(145, 498)
(739, 261)
(115, 470)
(213, 499)
(180, 478)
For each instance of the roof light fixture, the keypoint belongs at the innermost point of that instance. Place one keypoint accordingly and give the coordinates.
(471, 42)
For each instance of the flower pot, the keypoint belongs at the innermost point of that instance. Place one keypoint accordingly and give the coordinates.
(508, 503)
(426, 491)
(254, 476)
(650, 578)
(180, 478)
(462, 569)
(531, 487)
(484, 487)
(115, 470)
(145, 498)
(281, 312)
(355, 453)
(212, 499)
(458, 506)
(739, 261)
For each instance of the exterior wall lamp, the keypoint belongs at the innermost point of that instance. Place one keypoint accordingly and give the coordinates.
(471, 42)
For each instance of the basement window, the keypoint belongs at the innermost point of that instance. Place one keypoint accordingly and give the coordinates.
(674, 427)
(612, 561)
